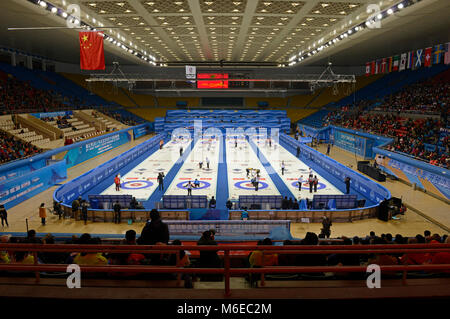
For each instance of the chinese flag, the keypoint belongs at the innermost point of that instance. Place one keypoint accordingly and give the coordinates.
(92, 56)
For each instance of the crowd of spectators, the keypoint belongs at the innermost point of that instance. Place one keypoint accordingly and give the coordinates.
(20, 97)
(12, 148)
(429, 97)
(157, 234)
(410, 136)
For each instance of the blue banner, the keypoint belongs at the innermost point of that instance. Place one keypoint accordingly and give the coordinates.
(28, 167)
(15, 191)
(87, 151)
(52, 114)
(141, 130)
(350, 142)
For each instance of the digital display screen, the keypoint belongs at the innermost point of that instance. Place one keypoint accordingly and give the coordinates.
(216, 82)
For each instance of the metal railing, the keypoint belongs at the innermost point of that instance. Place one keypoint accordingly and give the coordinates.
(226, 270)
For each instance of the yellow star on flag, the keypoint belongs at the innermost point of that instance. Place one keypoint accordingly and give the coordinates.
(85, 38)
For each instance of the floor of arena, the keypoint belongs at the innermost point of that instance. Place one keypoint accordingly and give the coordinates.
(429, 213)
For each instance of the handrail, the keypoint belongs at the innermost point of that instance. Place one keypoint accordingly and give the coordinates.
(226, 270)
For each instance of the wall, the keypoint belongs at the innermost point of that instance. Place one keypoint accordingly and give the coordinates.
(432, 179)
(16, 190)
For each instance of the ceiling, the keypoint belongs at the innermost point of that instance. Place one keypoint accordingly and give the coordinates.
(213, 30)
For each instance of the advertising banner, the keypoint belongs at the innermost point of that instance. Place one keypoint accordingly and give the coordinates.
(87, 151)
(52, 114)
(15, 191)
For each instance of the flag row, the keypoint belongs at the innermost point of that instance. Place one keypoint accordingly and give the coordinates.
(410, 60)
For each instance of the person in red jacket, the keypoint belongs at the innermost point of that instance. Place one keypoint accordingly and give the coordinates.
(117, 182)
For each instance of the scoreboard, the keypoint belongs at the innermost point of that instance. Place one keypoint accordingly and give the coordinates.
(217, 81)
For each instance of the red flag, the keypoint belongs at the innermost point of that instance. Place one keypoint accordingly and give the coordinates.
(92, 56)
(427, 57)
(372, 67)
(367, 68)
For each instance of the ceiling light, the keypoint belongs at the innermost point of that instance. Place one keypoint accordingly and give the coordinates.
(390, 11)
(64, 14)
(54, 10)
(379, 16)
(43, 4)
(400, 6)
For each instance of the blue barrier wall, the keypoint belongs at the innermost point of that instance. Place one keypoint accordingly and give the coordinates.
(80, 185)
(433, 179)
(363, 185)
(16, 168)
(12, 170)
(15, 191)
(356, 142)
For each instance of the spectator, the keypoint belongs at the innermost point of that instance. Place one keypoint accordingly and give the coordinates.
(258, 258)
(155, 231)
(117, 215)
(89, 258)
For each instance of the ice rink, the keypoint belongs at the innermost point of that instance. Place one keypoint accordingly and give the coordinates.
(294, 168)
(203, 149)
(239, 159)
(141, 181)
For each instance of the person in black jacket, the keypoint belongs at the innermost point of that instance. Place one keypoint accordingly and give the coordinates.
(155, 231)
(84, 211)
(229, 204)
(285, 203)
(117, 209)
(347, 185)
(3, 216)
(212, 203)
(209, 259)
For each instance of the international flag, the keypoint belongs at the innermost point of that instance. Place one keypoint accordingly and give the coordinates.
(372, 67)
(438, 53)
(447, 53)
(389, 64)
(402, 62)
(378, 66)
(92, 56)
(383, 66)
(418, 59)
(410, 60)
(395, 63)
(367, 68)
(427, 57)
